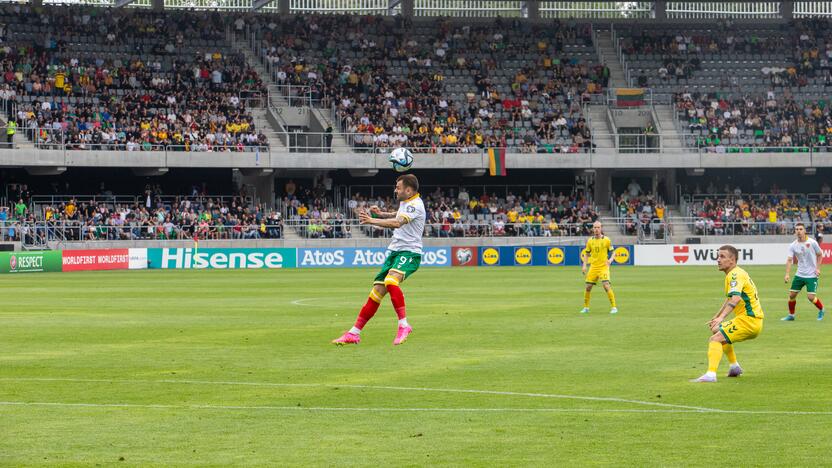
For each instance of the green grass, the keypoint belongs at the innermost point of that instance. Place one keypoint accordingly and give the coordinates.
(133, 338)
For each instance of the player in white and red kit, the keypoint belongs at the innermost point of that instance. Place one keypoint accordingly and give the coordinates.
(404, 255)
(808, 255)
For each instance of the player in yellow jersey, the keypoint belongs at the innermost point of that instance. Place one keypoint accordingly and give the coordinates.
(743, 300)
(596, 254)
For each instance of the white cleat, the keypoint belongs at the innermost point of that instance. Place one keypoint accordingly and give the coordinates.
(585, 310)
(614, 310)
(704, 379)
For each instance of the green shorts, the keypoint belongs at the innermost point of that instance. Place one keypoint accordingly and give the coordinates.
(811, 284)
(403, 262)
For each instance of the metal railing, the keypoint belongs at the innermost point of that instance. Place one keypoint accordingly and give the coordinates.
(278, 94)
(42, 201)
(742, 227)
(811, 197)
(40, 233)
(499, 227)
(652, 230)
(524, 140)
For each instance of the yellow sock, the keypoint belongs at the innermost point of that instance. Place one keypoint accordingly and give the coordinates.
(728, 349)
(586, 298)
(714, 355)
(611, 295)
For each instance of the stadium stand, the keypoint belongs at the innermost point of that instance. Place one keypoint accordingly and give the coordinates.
(129, 80)
(457, 86)
(139, 80)
(738, 87)
(313, 214)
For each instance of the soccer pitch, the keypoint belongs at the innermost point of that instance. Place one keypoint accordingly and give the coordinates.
(235, 367)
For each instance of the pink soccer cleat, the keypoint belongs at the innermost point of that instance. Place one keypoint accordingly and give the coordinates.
(347, 338)
(402, 334)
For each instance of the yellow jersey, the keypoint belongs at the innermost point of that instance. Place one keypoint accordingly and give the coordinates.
(598, 251)
(738, 283)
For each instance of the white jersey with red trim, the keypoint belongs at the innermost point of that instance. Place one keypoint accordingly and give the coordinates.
(409, 236)
(806, 253)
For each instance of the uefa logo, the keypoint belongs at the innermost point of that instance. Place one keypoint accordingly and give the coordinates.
(13, 262)
(463, 256)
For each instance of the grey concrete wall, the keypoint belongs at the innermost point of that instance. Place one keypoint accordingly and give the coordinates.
(294, 116)
(283, 159)
(631, 117)
(324, 243)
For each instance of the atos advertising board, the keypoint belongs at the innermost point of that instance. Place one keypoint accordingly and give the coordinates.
(368, 257)
(707, 254)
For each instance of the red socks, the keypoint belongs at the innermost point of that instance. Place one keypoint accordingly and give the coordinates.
(374, 301)
(366, 313)
(397, 298)
(817, 303)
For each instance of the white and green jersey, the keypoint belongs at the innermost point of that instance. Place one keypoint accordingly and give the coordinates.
(806, 253)
(409, 236)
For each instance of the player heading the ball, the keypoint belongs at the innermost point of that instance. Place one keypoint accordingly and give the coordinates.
(404, 254)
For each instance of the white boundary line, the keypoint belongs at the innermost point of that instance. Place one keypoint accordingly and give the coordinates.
(367, 387)
(669, 408)
(300, 302)
(404, 410)
(339, 409)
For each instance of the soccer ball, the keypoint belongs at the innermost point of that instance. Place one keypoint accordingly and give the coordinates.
(401, 159)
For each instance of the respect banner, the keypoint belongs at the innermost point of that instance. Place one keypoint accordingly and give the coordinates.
(30, 262)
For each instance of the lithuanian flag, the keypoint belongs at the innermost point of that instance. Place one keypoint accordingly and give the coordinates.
(497, 161)
(629, 97)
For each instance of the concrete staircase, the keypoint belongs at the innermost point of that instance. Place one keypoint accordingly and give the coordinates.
(278, 100)
(671, 138)
(262, 123)
(324, 116)
(275, 99)
(602, 134)
(289, 233)
(19, 140)
(607, 55)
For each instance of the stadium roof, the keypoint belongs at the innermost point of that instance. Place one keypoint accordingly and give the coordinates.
(492, 8)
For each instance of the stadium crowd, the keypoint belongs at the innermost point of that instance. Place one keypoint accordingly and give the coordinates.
(722, 124)
(74, 81)
(389, 83)
(452, 213)
(735, 213)
(150, 216)
(792, 113)
(642, 213)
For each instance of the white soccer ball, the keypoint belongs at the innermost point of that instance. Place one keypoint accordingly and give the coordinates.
(401, 159)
